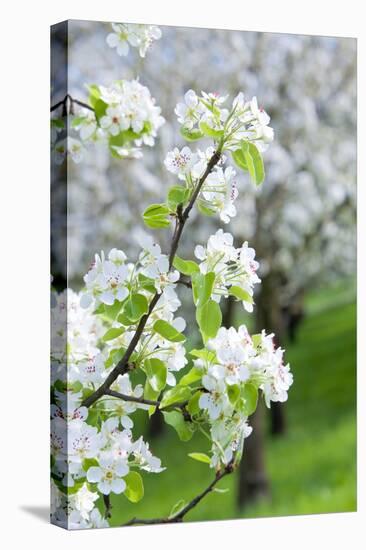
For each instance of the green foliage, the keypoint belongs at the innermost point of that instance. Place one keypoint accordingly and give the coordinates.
(209, 318)
(233, 392)
(240, 293)
(193, 406)
(135, 307)
(239, 159)
(177, 195)
(167, 331)
(178, 506)
(202, 286)
(249, 394)
(156, 216)
(178, 394)
(113, 333)
(191, 135)
(134, 487)
(184, 429)
(156, 372)
(210, 132)
(254, 162)
(200, 457)
(187, 267)
(192, 376)
(94, 94)
(204, 209)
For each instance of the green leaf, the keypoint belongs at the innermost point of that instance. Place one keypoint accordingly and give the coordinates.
(187, 267)
(178, 394)
(114, 357)
(178, 506)
(155, 216)
(77, 121)
(241, 294)
(191, 135)
(202, 286)
(217, 490)
(210, 132)
(167, 331)
(257, 339)
(193, 406)
(94, 94)
(192, 376)
(184, 429)
(205, 210)
(177, 195)
(150, 393)
(136, 306)
(111, 312)
(113, 333)
(134, 487)
(100, 109)
(146, 283)
(88, 463)
(205, 354)
(233, 392)
(249, 394)
(209, 319)
(200, 457)
(254, 161)
(156, 372)
(239, 159)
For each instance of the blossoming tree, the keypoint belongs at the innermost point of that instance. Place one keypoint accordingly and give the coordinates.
(124, 322)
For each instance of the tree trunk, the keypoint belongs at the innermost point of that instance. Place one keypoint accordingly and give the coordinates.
(269, 315)
(253, 481)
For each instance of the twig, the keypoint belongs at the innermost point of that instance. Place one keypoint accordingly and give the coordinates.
(182, 217)
(72, 100)
(108, 506)
(132, 399)
(178, 517)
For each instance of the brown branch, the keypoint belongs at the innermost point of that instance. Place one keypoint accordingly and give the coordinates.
(182, 217)
(108, 506)
(178, 517)
(71, 100)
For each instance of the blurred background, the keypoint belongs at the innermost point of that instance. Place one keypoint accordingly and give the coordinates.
(301, 457)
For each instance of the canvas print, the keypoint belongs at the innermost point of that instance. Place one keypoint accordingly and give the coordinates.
(203, 287)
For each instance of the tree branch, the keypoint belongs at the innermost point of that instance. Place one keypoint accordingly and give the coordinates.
(182, 217)
(67, 98)
(178, 517)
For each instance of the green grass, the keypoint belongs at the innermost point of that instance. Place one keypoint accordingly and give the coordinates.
(313, 467)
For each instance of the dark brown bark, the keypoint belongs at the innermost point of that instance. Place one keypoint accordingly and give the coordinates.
(253, 480)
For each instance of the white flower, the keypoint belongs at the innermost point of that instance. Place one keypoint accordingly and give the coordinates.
(106, 280)
(188, 112)
(215, 401)
(144, 457)
(83, 501)
(220, 192)
(114, 121)
(83, 441)
(130, 34)
(156, 266)
(180, 162)
(109, 474)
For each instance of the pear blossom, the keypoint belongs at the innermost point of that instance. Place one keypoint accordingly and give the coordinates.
(83, 441)
(181, 161)
(109, 474)
(188, 112)
(144, 457)
(215, 400)
(139, 36)
(106, 280)
(220, 192)
(83, 501)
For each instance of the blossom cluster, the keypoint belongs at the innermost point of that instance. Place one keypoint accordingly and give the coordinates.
(138, 36)
(244, 121)
(90, 456)
(123, 115)
(234, 268)
(234, 367)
